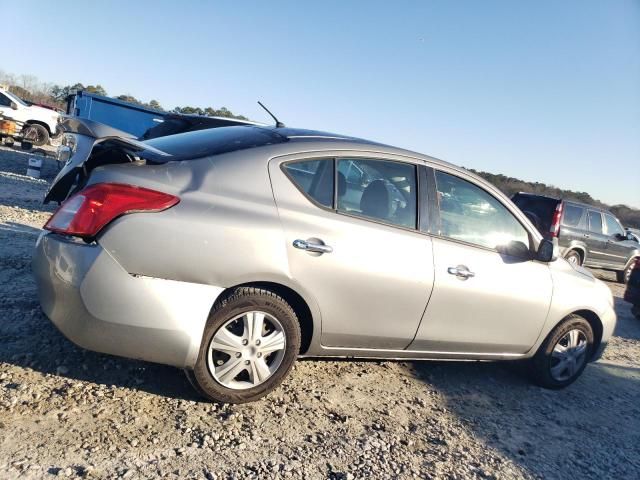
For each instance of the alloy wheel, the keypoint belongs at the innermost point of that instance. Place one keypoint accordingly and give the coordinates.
(246, 350)
(569, 355)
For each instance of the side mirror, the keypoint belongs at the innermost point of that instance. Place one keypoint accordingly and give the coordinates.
(14, 106)
(620, 237)
(547, 250)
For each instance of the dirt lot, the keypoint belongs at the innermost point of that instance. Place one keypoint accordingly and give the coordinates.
(68, 412)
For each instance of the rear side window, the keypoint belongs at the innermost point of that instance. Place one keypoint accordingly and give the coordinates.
(595, 222)
(572, 215)
(378, 189)
(314, 178)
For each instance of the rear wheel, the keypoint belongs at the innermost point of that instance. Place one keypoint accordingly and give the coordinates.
(250, 343)
(573, 257)
(564, 354)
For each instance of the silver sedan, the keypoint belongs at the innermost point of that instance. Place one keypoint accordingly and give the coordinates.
(230, 252)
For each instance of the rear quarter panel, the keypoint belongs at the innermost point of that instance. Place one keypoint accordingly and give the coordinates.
(224, 231)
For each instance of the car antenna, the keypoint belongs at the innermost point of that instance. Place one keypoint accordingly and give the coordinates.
(279, 124)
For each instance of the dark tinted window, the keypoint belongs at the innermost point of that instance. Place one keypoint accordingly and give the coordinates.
(595, 221)
(378, 189)
(572, 215)
(4, 100)
(613, 226)
(470, 214)
(537, 208)
(314, 178)
(213, 141)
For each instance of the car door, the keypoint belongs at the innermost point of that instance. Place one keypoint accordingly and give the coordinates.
(618, 248)
(596, 239)
(354, 246)
(488, 296)
(5, 105)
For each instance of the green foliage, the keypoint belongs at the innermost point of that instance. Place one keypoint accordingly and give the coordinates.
(209, 112)
(630, 217)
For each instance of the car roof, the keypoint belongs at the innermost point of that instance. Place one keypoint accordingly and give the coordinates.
(336, 141)
(280, 141)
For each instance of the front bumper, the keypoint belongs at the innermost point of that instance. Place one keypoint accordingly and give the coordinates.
(99, 306)
(609, 320)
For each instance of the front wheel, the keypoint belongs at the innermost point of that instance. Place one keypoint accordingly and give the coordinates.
(564, 354)
(250, 343)
(624, 275)
(36, 134)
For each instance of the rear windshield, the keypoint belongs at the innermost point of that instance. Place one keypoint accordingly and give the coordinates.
(539, 209)
(213, 141)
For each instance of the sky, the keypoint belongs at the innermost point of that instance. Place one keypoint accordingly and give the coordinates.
(544, 91)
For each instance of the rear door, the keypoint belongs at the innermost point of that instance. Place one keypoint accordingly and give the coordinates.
(352, 244)
(596, 239)
(489, 296)
(573, 226)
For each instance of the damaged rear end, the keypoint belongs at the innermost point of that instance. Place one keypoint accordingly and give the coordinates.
(94, 299)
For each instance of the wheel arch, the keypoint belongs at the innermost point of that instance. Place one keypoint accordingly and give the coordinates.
(293, 298)
(40, 122)
(596, 325)
(582, 251)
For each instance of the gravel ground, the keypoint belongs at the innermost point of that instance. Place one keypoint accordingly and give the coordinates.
(69, 412)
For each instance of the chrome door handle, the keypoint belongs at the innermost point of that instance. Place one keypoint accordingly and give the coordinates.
(312, 246)
(461, 272)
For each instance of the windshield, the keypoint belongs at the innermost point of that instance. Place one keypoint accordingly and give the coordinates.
(14, 98)
(213, 141)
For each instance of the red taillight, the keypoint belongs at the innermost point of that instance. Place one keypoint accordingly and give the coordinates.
(88, 211)
(555, 223)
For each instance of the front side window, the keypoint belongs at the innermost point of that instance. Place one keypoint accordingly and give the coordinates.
(314, 178)
(4, 100)
(469, 214)
(595, 222)
(381, 190)
(613, 226)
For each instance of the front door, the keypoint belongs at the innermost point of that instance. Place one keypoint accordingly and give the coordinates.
(488, 296)
(618, 248)
(353, 245)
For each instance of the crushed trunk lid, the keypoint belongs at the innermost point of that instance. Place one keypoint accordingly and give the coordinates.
(92, 144)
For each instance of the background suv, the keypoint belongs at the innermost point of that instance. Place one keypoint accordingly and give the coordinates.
(587, 235)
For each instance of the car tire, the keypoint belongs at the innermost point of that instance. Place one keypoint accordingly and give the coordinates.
(228, 371)
(40, 135)
(571, 342)
(624, 275)
(573, 257)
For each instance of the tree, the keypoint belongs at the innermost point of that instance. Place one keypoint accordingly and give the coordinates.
(60, 94)
(155, 104)
(97, 89)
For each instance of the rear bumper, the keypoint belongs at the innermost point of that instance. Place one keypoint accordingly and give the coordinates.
(99, 306)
